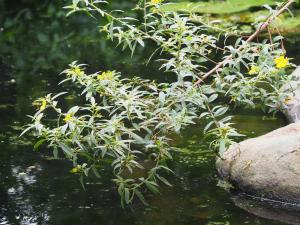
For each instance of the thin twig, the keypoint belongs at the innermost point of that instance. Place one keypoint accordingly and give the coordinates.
(270, 38)
(281, 40)
(261, 28)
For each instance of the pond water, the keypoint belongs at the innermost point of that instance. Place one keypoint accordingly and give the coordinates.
(35, 189)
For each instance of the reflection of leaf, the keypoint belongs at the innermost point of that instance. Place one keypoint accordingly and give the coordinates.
(140, 196)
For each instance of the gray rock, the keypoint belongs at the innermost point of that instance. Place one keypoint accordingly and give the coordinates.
(292, 112)
(267, 166)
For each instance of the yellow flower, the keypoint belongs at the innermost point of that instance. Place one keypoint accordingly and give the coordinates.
(44, 104)
(281, 62)
(189, 38)
(76, 169)
(233, 99)
(77, 71)
(288, 99)
(253, 70)
(155, 2)
(154, 10)
(108, 75)
(68, 117)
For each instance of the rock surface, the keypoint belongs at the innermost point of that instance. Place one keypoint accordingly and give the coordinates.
(267, 166)
(292, 112)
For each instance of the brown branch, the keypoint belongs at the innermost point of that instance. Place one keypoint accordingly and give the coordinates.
(255, 34)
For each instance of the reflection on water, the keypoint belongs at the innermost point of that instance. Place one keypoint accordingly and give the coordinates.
(34, 189)
(288, 213)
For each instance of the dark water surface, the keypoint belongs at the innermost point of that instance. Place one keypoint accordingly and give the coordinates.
(35, 189)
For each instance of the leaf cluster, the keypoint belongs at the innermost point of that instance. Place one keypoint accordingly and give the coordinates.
(126, 122)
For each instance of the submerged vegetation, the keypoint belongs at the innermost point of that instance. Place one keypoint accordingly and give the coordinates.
(127, 123)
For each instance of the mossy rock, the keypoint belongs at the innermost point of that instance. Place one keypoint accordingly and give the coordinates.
(286, 24)
(216, 7)
(237, 12)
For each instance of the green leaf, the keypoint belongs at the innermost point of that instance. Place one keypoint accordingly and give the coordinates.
(222, 146)
(164, 180)
(111, 30)
(95, 171)
(162, 97)
(66, 149)
(151, 187)
(55, 153)
(127, 195)
(212, 97)
(38, 144)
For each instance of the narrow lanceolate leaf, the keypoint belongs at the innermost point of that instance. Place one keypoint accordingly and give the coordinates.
(94, 168)
(39, 143)
(26, 130)
(55, 153)
(66, 149)
(126, 195)
(152, 187)
(220, 111)
(164, 180)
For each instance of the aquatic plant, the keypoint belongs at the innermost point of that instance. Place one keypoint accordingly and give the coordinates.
(126, 123)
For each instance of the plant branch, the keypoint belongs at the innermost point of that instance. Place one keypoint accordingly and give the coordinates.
(255, 34)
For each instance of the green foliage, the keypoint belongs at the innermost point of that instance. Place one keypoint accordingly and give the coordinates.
(50, 38)
(43, 27)
(127, 123)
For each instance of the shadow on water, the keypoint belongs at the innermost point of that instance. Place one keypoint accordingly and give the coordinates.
(35, 189)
